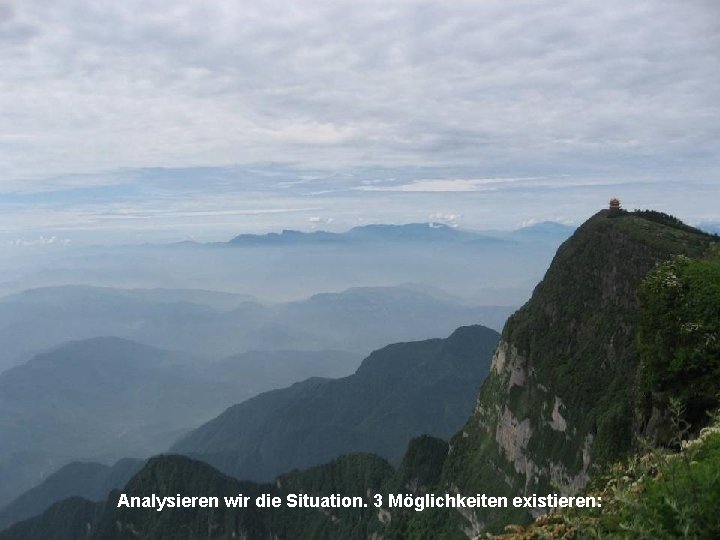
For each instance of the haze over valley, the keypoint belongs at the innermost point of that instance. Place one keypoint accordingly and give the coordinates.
(390, 252)
(126, 366)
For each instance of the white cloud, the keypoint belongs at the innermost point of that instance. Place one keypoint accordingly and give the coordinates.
(382, 111)
(446, 219)
(38, 242)
(317, 220)
(91, 86)
(448, 184)
(564, 220)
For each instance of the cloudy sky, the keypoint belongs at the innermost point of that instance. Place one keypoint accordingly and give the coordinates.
(150, 120)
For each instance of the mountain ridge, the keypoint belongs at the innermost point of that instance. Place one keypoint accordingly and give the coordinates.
(377, 409)
(423, 231)
(118, 398)
(91, 481)
(560, 394)
(358, 319)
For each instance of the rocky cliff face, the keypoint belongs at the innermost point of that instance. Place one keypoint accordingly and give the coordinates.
(513, 434)
(560, 394)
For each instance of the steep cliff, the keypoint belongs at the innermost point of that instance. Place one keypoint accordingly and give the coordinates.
(561, 392)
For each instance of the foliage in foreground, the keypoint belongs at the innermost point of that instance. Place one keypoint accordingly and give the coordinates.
(679, 336)
(655, 496)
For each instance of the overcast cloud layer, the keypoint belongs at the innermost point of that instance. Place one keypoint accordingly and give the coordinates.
(383, 111)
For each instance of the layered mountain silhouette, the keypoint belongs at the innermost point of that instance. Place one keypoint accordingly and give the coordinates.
(92, 481)
(560, 396)
(410, 232)
(398, 392)
(108, 398)
(217, 324)
(138, 399)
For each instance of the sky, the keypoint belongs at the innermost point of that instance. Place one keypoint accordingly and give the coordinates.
(155, 121)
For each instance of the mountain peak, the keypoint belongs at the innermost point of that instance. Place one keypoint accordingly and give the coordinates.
(560, 393)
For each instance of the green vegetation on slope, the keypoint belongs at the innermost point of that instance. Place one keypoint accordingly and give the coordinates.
(654, 496)
(660, 494)
(567, 393)
(679, 339)
(399, 392)
(349, 475)
(578, 330)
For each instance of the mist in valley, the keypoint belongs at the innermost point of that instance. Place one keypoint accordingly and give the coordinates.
(119, 350)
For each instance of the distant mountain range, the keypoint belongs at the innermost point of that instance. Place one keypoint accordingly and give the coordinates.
(116, 396)
(107, 398)
(411, 232)
(218, 324)
(711, 227)
(291, 265)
